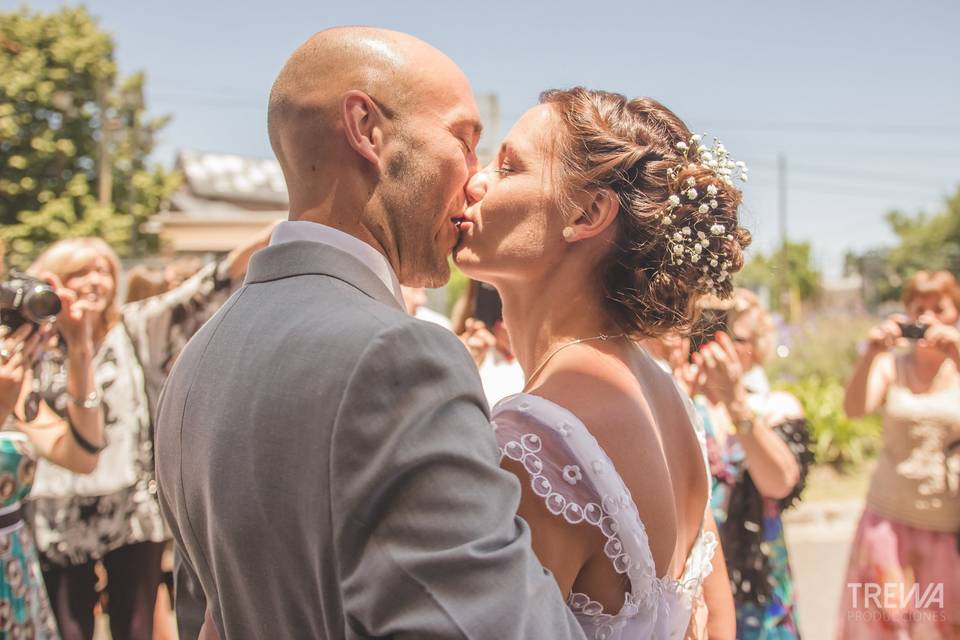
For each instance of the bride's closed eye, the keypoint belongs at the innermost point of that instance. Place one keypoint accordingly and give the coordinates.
(503, 169)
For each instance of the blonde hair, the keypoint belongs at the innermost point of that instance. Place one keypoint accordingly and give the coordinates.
(932, 282)
(746, 303)
(66, 257)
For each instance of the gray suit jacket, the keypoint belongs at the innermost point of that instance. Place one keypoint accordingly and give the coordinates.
(328, 469)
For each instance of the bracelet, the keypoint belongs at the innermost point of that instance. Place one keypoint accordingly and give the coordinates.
(92, 401)
(85, 444)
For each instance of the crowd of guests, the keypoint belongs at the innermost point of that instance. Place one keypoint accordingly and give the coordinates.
(78, 505)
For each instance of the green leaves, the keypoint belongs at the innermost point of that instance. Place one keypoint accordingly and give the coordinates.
(63, 114)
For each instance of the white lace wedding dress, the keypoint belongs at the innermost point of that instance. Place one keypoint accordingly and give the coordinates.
(570, 470)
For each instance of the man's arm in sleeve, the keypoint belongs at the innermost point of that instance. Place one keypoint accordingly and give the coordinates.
(427, 539)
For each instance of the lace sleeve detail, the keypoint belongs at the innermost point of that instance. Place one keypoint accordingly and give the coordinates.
(576, 479)
(556, 474)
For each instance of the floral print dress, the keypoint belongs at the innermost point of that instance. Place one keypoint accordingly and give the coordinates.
(24, 608)
(751, 528)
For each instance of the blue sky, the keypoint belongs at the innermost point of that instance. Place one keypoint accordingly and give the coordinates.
(862, 97)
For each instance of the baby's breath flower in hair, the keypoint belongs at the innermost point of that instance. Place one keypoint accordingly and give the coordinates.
(685, 243)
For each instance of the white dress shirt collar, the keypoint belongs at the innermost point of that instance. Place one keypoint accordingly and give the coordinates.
(293, 230)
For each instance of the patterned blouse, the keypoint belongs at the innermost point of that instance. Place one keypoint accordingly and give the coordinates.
(79, 518)
(751, 529)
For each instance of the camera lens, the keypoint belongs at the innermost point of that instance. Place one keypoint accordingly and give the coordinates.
(41, 304)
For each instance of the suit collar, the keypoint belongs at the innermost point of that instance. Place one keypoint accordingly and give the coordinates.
(301, 257)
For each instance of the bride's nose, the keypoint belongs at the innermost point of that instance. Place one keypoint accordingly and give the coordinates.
(477, 186)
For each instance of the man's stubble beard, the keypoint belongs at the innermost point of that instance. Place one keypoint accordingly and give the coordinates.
(422, 264)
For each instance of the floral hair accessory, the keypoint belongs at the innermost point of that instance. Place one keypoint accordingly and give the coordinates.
(700, 246)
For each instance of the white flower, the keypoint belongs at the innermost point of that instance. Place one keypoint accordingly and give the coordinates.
(714, 204)
(665, 220)
(572, 474)
(677, 237)
(691, 193)
(713, 263)
(706, 269)
(686, 231)
(691, 181)
(678, 249)
(674, 200)
(717, 229)
(682, 146)
(703, 208)
(743, 177)
(742, 165)
(695, 138)
(695, 257)
(704, 243)
(711, 190)
(701, 235)
(698, 249)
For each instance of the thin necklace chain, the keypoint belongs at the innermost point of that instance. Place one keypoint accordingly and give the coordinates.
(550, 355)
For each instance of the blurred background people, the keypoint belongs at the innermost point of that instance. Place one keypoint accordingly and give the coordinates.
(908, 534)
(758, 450)
(113, 515)
(416, 301)
(478, 321)
(31, 430)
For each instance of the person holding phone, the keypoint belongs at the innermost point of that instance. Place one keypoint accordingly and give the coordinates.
(478, 322)
(907, 533)
(757, 444)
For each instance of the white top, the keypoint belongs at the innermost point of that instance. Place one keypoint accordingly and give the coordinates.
(579, 483)
(293, 230)
(500, 377)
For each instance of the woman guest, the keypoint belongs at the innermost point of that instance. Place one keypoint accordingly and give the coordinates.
(757, 444)
(30, 429)
(907, 535)
(113, 515)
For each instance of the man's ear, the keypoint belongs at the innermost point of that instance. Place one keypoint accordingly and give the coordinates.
(362, 124)
(601, 208)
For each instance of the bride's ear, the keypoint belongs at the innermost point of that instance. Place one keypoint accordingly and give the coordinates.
(601, 209)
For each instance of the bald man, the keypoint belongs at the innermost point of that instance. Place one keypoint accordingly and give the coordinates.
(326, 462)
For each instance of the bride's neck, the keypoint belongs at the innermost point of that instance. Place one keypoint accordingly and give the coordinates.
(543, 314)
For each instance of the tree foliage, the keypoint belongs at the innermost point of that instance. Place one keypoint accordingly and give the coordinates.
(62, 109)
(924, 242)
(766, 271)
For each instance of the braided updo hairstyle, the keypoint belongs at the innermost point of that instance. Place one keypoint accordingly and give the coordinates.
(631, 148)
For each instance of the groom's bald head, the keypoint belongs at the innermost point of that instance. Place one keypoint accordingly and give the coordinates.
(365, 124)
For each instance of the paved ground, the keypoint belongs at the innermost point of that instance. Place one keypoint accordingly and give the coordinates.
(818, 555)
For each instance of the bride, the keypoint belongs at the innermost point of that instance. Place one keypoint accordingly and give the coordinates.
(601, 221)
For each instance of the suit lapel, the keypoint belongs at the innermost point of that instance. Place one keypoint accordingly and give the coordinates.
(298, 258)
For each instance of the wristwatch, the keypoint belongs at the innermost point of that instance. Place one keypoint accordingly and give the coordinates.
(744, 426)
(91, 401)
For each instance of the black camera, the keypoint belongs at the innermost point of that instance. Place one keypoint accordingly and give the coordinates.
(26, 299)
(913, 330)
(488, 307)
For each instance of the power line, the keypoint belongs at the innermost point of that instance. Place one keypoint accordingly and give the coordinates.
(846, 173)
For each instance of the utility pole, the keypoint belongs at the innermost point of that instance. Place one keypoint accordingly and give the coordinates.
(784, 300)
(104, 168)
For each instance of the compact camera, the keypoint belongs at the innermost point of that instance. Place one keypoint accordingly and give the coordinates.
(913, 330)
(27, 299)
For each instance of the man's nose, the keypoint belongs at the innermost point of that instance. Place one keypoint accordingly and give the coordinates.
(477, 186)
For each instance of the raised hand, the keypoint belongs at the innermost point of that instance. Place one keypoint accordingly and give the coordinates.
(77, 319)
(946, 338)
(722, 371)
(18, 351)
(886, 334)
(478, 340)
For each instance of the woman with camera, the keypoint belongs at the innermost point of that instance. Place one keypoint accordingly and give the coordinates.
(31, 429)
(757, 447)
(907, 537)
(113, 515)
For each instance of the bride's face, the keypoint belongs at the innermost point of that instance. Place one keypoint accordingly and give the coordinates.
(513, 225)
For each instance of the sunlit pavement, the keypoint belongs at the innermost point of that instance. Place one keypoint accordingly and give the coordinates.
(818, 538)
